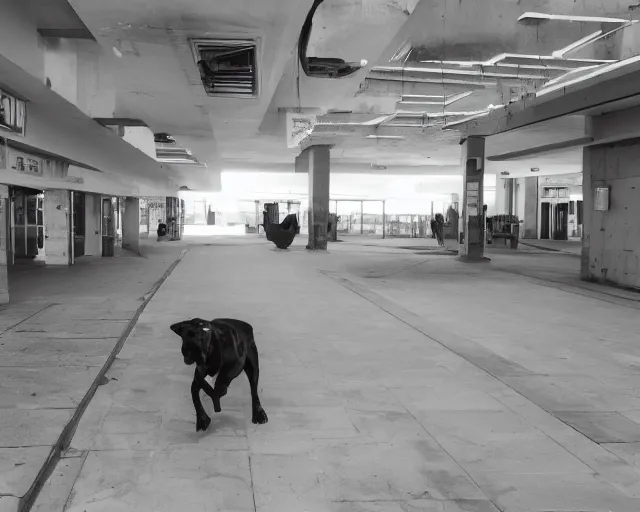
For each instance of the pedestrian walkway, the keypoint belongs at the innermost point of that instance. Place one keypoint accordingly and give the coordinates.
(394, 381)
(55, 337)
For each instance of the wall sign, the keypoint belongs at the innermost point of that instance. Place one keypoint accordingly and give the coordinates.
(601, 199)
(25, 163)
(13, 113)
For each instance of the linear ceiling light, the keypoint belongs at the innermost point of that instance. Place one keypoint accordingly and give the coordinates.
(537, 18)
(600, 70)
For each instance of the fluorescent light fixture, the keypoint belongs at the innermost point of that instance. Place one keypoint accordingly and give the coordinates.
(559, 54)
(536, 18)
(600, 70)
(117, 52)
(397, 137)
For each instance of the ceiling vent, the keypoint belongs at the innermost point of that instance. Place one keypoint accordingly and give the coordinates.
(227, 67)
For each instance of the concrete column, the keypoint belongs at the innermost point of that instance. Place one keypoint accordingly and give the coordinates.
(58, 245)
(384, 220)
(362, 217)
(509, 195)
(131, 225)
(93, 225)
(472, 247)
(587, 212)
(4, 242)
(319, 178)
(530, 226)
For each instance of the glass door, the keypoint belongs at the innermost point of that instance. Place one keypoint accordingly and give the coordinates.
(78, 223)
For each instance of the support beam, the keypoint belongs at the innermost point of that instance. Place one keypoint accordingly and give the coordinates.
(131, 225)
(362, 217)
(472, 247)
(547, 148)
(58, 245)
(4, 243)
(319, 158)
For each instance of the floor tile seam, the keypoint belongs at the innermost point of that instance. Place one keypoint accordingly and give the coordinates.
(574, 289)
(22, 446)
(507, 386)
(28, 317)
(69, 499)
(444, 450)
(574, 431)
(67, 433)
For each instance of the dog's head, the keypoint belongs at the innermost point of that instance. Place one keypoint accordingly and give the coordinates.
(196, 339)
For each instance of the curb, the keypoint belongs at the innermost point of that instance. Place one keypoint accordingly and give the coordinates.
(550, 249)
(64, 440)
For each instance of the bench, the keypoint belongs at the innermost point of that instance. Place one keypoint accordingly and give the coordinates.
(512, 237)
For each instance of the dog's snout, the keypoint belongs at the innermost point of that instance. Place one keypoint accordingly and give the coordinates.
(188, 361)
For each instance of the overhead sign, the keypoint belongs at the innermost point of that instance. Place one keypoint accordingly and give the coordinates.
(299, 126)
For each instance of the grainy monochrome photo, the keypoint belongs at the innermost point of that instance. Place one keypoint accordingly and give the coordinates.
(319, 256)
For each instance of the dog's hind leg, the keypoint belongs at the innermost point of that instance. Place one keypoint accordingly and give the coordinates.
(252, 369)
(202, 418)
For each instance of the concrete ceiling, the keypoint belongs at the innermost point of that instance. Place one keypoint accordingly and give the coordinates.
(158, 81)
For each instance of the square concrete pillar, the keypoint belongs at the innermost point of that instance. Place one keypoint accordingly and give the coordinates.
(131, 225)
(530, 225)
(93, 225)
(4, 243)
(472, 246)
(58, 245)
(319, 180)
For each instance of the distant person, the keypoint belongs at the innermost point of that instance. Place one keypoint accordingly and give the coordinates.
(440, 229)
(162, 229)
(434, 228)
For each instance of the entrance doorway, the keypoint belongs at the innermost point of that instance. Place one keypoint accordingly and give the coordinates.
(79, 224)
(27, 224)
(554, 221)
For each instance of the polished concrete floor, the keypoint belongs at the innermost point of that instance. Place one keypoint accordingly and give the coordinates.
(395, 380)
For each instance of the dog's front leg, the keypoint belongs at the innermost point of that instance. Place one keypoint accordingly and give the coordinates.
(206, 387)
(202, 418)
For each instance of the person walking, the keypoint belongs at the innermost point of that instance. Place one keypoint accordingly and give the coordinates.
(440, 229)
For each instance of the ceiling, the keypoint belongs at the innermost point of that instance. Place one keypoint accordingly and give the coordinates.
(157, 79)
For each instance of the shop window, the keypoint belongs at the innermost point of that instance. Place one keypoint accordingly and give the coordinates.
(12, 113)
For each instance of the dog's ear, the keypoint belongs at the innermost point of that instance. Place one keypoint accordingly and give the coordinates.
(179, 328)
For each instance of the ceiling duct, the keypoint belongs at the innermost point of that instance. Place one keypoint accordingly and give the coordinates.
(227, 67)
(175, 155)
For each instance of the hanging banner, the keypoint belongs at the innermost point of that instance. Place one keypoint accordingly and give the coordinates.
(299, 126)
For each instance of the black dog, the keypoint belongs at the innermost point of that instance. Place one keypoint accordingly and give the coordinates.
(225, 347)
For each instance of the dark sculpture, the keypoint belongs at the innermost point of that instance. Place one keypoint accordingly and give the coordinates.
(282, 234)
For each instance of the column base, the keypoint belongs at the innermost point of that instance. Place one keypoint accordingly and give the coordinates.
(474, 259)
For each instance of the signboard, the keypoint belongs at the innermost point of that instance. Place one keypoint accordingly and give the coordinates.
(601, 199)
(299, 126)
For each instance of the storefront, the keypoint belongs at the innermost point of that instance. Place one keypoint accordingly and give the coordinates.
(26, 225)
